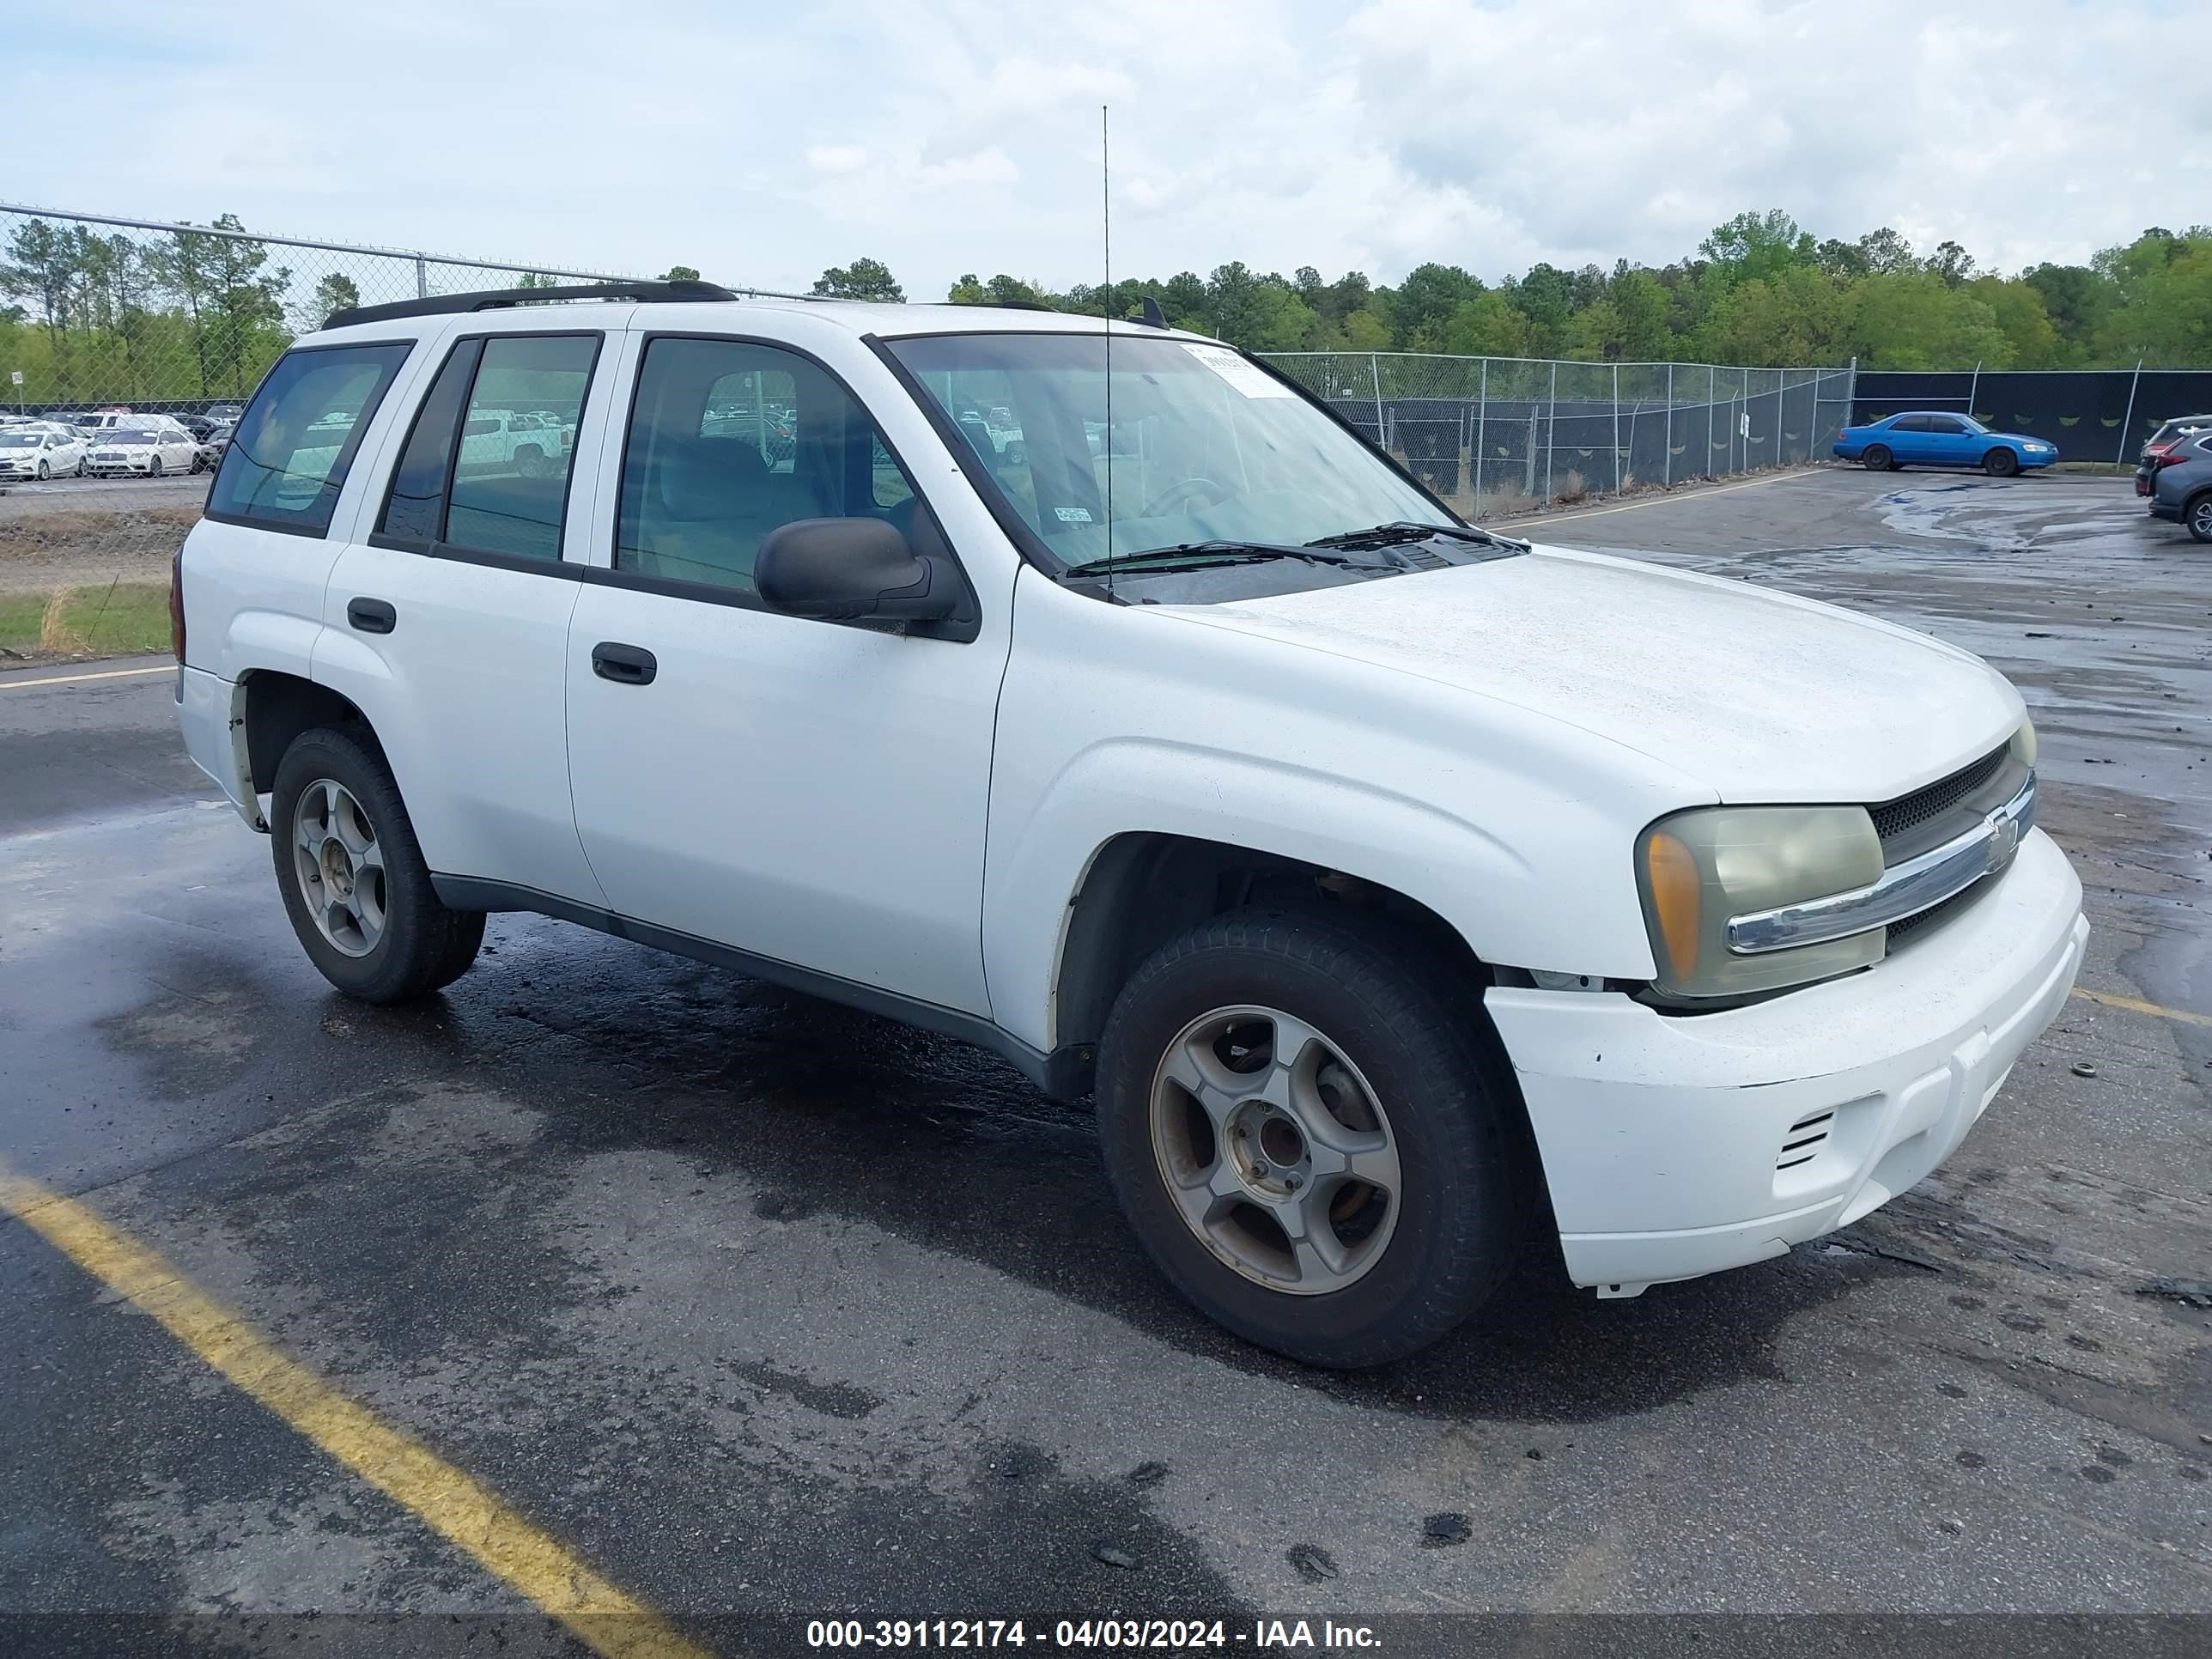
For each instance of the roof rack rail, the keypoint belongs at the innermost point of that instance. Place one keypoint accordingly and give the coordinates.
(439, 305)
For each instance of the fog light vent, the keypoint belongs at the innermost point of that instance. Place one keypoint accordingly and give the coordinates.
(1806, 1137)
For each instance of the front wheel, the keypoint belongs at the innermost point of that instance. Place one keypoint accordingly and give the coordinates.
(1308, 1139)
(81, 469)
(355, 885)
(45, 471)
(154, 468)
(2000, 463)
(1878, 459)
(2199, 517)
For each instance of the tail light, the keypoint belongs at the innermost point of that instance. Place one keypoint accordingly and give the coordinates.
(176, 610)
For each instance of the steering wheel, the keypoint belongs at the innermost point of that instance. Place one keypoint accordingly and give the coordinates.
(1181, 492)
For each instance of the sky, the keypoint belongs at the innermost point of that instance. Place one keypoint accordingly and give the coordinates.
(762, 142)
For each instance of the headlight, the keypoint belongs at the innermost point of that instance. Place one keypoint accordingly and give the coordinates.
(2023, 745)
(1696, 869)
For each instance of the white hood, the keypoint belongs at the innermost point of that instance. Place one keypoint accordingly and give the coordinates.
(1762, 696)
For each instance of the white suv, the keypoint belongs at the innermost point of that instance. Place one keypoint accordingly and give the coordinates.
(1400, 891)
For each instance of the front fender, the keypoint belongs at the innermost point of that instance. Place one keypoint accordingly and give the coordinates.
(1517, 832)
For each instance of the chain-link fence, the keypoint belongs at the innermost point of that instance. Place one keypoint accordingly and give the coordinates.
(1491, 434)
(99, 312)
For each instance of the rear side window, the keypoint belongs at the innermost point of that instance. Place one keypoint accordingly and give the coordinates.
(513, 401)
(293, 446)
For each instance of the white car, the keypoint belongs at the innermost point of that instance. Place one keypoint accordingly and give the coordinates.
(38, 450)
(1395, 887)
(145, 450)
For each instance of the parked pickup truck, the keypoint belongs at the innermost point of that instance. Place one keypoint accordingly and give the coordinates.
(1401, 891)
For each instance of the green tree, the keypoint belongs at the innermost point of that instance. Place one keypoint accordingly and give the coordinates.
(1364, 331)
(1487, 325)
(2025, 321)
(336, 291)
(1885, 252)
(1423, 304)
(864, 279)
(680, 274)
(1917, 320)
(1754, 247)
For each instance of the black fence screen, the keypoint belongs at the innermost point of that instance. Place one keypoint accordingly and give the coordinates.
(2091, 415)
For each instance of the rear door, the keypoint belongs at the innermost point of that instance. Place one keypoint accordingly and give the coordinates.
(1908, 438)
(447, 622)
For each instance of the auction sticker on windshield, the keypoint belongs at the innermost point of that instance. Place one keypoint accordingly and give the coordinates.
(1245, 377)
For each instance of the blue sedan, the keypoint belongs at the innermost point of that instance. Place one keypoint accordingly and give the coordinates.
(1927, 438)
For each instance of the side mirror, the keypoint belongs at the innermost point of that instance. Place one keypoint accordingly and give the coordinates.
(852, 570)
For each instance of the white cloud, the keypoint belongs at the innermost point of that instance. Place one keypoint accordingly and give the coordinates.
(964, 136)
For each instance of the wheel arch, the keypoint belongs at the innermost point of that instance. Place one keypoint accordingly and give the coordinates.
(277, 707)
(1142, 888)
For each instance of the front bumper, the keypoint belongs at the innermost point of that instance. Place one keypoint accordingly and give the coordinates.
(118, 466)
(2032, 458)
(1676, 1146)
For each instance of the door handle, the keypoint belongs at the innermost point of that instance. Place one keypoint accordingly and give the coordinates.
(625, 665)
(371, 616)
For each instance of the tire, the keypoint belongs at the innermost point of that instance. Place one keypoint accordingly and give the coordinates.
(1433, 1107)
(2198, 516)
(1877, 459)
(2000, 463)
(530, 461)
(45, 471)
(411, 944)
(153, 469)
(81, 469)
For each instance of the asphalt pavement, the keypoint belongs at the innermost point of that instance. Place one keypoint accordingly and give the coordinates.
(772, 1311)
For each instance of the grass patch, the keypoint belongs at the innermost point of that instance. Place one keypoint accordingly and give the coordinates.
(108, 620)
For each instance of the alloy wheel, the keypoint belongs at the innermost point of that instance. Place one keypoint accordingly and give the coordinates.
(1275, 1151)
(339, 865)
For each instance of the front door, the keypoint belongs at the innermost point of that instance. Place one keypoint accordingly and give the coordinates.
(811, 793)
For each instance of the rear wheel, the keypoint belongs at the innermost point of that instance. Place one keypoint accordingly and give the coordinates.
(1878, 459)
(355, 885)
(2000, 463)
(2198, 517)
(1307, 1140)
(530, 461)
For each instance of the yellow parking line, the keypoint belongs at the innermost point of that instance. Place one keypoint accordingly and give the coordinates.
(468, 1513)
(79, 679)
(2137, 1006)
(1659, 500)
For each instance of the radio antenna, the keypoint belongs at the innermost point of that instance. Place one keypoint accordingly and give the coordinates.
(1106, 249)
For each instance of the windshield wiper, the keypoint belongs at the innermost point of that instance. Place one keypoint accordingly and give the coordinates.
(1404, 529)
(1184, 555)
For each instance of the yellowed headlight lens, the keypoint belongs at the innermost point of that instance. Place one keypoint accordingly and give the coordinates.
(1671, 871)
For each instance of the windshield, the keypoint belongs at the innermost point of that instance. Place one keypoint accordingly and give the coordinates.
(1203, 446)
(1971, 424)
(133, 434)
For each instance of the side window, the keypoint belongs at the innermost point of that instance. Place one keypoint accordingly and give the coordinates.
(294, 444)
(1908, 423)
(729, 440)
(511, 483)
(474, 474)
(1944, 425)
